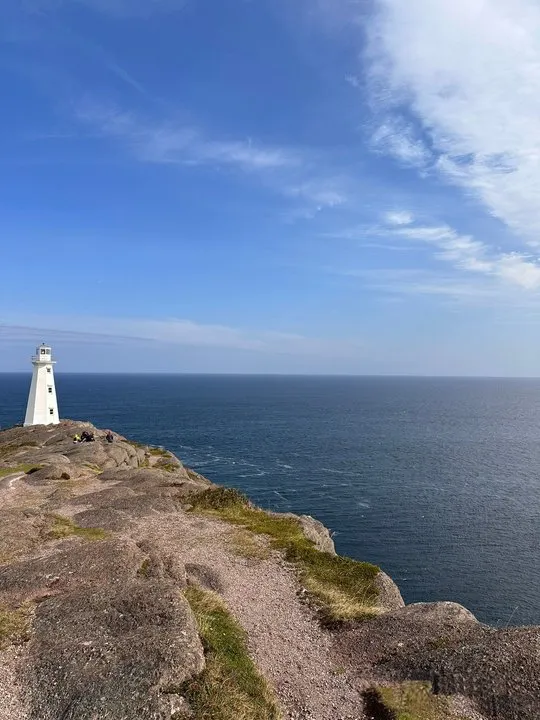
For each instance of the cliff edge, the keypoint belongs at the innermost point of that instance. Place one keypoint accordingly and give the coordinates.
(132, 588)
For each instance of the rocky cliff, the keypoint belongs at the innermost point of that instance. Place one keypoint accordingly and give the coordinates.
(133, 588)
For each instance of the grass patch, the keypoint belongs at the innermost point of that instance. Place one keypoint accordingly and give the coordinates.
(25, 468)
(14, 626)
(408, 701)
(63, 527)
(93, 467)
(440, 643)
(10, 448)
(345, 588)
(144, 570)
(195, 475)
(6, 450)
(164, 464)
(247, 545)
(230, 687)
(159, 452)
(6, 557)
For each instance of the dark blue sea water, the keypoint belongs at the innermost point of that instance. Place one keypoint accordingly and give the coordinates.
(436, 480)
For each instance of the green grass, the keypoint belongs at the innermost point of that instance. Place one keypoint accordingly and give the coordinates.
(411, 701)
(93, 467)
(25, 468)
(144, 570)
(63, 527)
(247, 545)
(159, 452)
(163, 464)
(230, 687)
(10, 448)
(14, 626)
(194, 475)
(345, 589)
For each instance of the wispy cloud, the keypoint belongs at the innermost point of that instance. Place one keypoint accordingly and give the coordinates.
(181, 144)
(399, 217)
(315, 196)
(188, 333)
(289, 171)
(419, 281)
(353, 81)
(468, 72)
(478, 271)
(466, 253)
(397, 138)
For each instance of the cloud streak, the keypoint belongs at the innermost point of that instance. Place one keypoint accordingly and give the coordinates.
(181, 144)
(287, 170)
(187, 333)
(466, 253)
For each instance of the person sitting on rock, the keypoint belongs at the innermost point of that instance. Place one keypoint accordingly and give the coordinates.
(109, 436)
(77, 438)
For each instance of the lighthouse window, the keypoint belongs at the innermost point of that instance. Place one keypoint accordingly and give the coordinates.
(43, 351)
(50, 390)
(51, 411)
(48, 369)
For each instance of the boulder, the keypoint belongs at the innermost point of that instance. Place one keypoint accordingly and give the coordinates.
(317, 533)
(389, 593)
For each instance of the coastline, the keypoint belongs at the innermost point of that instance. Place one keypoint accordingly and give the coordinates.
(140, 504)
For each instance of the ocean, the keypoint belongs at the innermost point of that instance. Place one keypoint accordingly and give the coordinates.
(435, 480)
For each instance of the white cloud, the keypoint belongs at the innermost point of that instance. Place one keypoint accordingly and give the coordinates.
(397, 138)
(466, 253)
(319, 194)
(399, 217)
(182, 144)
(469, 72)
(293, 173)
(419, 281)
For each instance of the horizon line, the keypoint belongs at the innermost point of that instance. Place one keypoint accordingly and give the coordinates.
(285, 375)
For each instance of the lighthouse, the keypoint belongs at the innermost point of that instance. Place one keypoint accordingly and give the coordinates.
(42, 408)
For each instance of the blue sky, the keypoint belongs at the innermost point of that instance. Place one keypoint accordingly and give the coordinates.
(313, 186)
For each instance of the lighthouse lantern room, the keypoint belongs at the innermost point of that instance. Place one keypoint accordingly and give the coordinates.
(42, 408)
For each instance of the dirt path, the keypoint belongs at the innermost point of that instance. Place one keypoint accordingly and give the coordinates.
(286, 642)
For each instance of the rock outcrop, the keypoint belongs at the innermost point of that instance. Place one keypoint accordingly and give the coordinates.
(97, 548)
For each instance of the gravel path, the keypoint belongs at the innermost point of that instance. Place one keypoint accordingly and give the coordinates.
(12, 702)
(285, 640)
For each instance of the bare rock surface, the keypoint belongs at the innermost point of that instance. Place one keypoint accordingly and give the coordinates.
(318, 534)
(113, 652)
(444, 644)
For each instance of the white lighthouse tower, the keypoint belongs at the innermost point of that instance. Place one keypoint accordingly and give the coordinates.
(42, 408)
